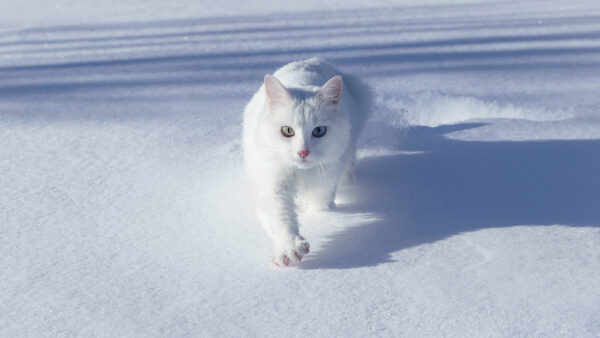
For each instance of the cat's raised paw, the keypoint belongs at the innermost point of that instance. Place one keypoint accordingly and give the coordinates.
(287, 258)
(292, 255)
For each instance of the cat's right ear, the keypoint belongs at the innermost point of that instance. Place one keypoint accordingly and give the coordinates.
(277, 94)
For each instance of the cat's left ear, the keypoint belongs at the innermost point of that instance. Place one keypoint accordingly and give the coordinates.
(331, 92)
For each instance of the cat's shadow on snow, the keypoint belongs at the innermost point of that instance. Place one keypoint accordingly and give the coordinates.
(442, 187)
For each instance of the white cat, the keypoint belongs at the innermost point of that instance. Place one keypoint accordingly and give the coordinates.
(300, 133)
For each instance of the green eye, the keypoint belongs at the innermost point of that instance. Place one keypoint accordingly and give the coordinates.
(287, 131)
(319, 131)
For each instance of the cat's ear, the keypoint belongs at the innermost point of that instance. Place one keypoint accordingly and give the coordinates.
(331, 92)
(276, 93)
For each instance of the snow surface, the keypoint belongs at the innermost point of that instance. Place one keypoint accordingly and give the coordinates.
(473, 211)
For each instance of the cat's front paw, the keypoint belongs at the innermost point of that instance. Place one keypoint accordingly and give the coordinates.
(292, 253)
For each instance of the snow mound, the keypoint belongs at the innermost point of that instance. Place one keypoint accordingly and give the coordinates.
(434, 108)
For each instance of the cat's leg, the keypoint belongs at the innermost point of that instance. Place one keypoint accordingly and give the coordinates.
(323, 183)
(319, 186)
(276, 212)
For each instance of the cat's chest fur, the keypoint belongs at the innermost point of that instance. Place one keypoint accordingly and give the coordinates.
(300, 132)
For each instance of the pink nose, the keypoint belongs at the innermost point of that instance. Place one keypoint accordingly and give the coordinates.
(304, 153)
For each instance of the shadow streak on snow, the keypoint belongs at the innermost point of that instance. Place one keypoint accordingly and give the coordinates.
(451, 187)
(376, 53)
(237, 67)
(299, 31)
(182, 64)
(413, 15)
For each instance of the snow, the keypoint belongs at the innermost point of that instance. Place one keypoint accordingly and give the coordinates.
(472, 211)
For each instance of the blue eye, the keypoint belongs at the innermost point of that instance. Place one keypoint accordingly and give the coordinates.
(319, 131)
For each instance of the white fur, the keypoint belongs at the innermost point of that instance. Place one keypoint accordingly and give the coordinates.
(302, 95)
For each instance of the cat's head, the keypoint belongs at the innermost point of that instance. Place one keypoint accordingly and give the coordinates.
(306, 128)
